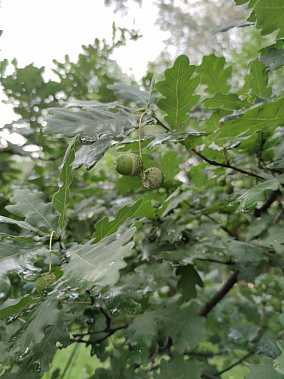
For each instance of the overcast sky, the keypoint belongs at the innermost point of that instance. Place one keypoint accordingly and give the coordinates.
(41, 30)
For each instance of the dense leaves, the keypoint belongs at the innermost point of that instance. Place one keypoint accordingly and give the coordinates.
(185, 280)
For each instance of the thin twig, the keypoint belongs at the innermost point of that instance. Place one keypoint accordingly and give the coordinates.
(208, 354)
(251, 352)
(108, 319)
(221, 226)
(69, 362)
(160, 123)
(209, 376)
(214, 163)
(220, 294)
(228, 263)
(259, 153)
(108, 334)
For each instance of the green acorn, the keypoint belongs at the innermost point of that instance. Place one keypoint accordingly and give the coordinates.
(153, 178)
(128, 164)
(45, 280)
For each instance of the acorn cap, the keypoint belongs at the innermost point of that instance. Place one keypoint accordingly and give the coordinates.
(153, 178)
(128, 164)
(45, 280)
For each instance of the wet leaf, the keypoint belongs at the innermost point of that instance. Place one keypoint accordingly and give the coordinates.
(104, 227)
(36, 212)
(177, 89)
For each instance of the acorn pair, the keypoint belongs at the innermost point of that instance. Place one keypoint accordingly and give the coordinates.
(132, 165)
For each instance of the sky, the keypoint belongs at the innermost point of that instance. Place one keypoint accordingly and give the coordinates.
(41, 30)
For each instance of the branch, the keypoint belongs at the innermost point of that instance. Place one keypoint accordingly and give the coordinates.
(160, 123)
(269, 202)
(208, 354)
(209, 376)
(220, 294)
(108, 319)
(250, 352)
(229, 263)
(214, 163)
(78, 338)
(107, 330)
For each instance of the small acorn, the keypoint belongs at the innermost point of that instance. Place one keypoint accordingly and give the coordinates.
(128, 164)
(45, 280)
(153, 178)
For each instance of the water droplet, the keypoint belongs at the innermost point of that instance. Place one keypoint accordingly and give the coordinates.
(114, 312)
(37, 365)
(25, 353)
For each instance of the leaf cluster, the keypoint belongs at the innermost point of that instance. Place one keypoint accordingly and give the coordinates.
(186, 278)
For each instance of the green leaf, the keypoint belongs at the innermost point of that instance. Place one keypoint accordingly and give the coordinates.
(227, 102)
(21, 224)
(92, 124)
(259, 80)
(267, 344)
(213, 74)
(35, 358)
(24, 303)
(133, 94)
(189, 278)
(183, 325)
(97, 127)
(176, 198)
(97, 264)
(175, 137)
(91, 154)
(263, 372)
(261, 118)
(240, 2)
(177, 89)
(256, 195)
(270, 16)
(104, 227)
(244, 252)
(141, 332)
(273, 56)
(279, 361)
(62, 197)
(31, 206)
(43, 353)
(170, 166)
(12, 248)
(45, 314)
(179, 368)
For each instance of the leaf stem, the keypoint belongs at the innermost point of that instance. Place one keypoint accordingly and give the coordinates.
(139, 141)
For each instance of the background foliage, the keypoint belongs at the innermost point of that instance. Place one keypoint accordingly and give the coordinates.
(160, 283)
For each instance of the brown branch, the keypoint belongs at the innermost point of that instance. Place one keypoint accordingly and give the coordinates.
(268, 203)
(208, 354)
(250, 352)
(209, 376)
(108, 319)
(220, 294)
(229, 263)
(214, 163)
(109, 331)
(160, 123)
